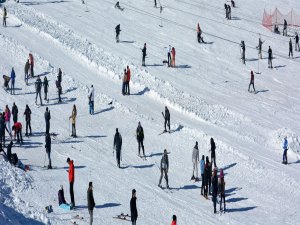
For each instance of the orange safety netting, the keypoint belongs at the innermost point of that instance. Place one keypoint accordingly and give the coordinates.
(269, 20)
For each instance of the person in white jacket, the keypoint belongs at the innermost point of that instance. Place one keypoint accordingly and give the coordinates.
(195, 160)
(91, 100)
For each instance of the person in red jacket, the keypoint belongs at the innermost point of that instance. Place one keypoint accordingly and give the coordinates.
(251, 81)
(17, 128)
(173, 52)
(174, 221)
(71, 172)
(127, 89)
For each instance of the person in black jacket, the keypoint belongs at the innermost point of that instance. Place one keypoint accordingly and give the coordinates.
(118, 30)
(297, 42)
(26, 71)
(118, 146)
(291, 48)
(215, 190)
(133, 209)
(164, 168)
(48, 149)
(243, 56)
(140, 137)
(90, 201)
(270, 57)
(2, 129)
(27, 114)
(144, 51)
(15, 112)
(47, 119)
(46, 85)
(167, 119)
(213, 151)
(8, 151)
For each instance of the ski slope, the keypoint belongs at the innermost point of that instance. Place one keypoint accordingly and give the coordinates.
(206, 94)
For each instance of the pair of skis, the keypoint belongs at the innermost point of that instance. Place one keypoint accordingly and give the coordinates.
(122, 216)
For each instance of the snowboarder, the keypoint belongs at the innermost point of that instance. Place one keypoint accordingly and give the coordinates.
(6, 80)
(174, 220)
(12, 79)
(26, 71)
(7, 116)
(285, 146)
(124, 81)
(38, 88)
(226, 10)
(15, 111)
(118, 146)
(195, 160)
(140, 138)
(199, 33)
(71, 172)
(90, 201)
(297, 42)
(118, 30)
(284, 32)
(164, 168)
(173, 52)
(48, 149)
(232, 3)
(167, 118)
(31, 63)
(259, 47)
(27, 114)
(4, 16)
(251, 81)
(213, 151)
(155, 4)
(61, 197)
(59, 89)
(133, 209)
(291, 48)
(221, 189)
(270, 57)
(229, 12)
(202, 164)
(17, 128)
(243, 47)
(127, 88)
(91, 100)
(215, 189)
(169, 49)
(73, 117)
(59, 76)
(144, 51)
(47, 120)
(117, 6)
(46, 85)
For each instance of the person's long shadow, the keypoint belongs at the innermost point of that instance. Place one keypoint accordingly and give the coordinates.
(229, 166)
(104, 110)
(242, 209)
(155, 154)
(186, 187)
(235, 199)
(137, 167)
(145, 90)
(107, 205)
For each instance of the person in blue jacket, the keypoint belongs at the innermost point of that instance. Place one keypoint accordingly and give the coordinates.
(285, 146)
(202, 164)
(12, 79)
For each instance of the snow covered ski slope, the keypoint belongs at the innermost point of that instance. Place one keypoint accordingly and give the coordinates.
(206, 93)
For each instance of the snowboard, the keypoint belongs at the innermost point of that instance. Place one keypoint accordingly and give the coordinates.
(65, 206)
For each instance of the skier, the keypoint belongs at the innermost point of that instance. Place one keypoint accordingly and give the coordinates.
(195, 160)
(174, 220)
(59, 76)
(128, 81)
(222, 189)
(209, 174)
(27, 114)
(202, 164)
(47, 120)
(4, 16)
(2, 129)
(124, 81)
(229, 12)
(285, 146)
(91, 100)
(26, 70)
(133, 209)
(167, 118)
(117, 5)
(59, 89)
(118, 30)
(215, 189)
(71, 172)
(297, 42)
(284, 28)
(155, 4)
(169, 55)
(73, 117)
(46, 85)
(140, 138)
(12, 79)
(17, 128)
(199, 32)
(144, 51)
(48, 149)
(6, 80)
(251, 81)
(15, 111)
(31, 63)
(164, 168)
(270, 57)
(226, 10)
(206, 175)
(173, 52)
(38, 88)
(213, 151)
(232, 3)
(259, 47)
(7, 116)
(90, 201)
(118, 146)
(243, 47)
(291, 48)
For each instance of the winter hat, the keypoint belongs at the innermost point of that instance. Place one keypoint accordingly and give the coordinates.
(133, 191)
(68, 160)
(90, 184)
(221, 173)
(174, 218)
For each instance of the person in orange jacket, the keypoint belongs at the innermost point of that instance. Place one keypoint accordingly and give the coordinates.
(174, 221)
(17, 128)
(71, 172)
(173, 52)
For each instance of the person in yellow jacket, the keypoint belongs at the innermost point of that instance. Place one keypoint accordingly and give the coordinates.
(73, 117)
